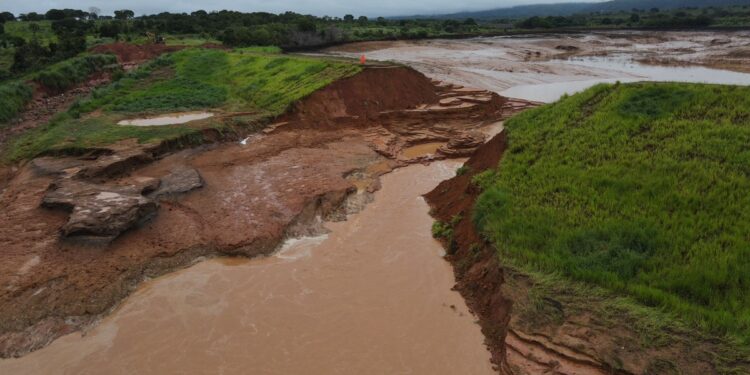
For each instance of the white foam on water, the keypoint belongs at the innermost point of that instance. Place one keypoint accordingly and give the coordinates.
(298, 248)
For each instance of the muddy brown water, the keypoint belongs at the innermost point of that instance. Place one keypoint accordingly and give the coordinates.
(373, 296)
(423, 149)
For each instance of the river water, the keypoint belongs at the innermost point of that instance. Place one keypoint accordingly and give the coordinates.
(626, 70)
(373, 296)
(533, 67)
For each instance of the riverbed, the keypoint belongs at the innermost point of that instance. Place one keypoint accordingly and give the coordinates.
(544, 68)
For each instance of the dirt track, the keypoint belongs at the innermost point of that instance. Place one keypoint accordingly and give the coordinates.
(321, 160)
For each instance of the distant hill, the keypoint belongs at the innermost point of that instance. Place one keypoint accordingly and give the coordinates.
(566, 9)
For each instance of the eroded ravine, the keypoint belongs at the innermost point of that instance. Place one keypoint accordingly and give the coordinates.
(373, 296)
(324, 159)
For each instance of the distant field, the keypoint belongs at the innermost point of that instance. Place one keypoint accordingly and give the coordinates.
(248, 81)
(638, 188)
(24, 30)
(189, 40)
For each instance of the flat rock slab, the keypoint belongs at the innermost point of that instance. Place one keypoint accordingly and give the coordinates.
(181, 180)
(98, 210)
(102, 212)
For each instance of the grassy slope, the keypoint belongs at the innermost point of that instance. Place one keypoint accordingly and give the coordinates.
(14, 95)
(13, 98)
(641, 189)
(250, 80)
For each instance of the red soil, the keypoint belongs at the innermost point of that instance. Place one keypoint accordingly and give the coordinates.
(335, 141)
(478, 273)
(130, 53)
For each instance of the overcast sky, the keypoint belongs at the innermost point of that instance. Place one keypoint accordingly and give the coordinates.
(316, 7)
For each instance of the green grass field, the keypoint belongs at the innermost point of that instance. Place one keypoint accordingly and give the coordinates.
(641, 189)
(260, 82)
(24, 30)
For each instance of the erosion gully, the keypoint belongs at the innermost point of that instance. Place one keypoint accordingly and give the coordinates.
(338, 271)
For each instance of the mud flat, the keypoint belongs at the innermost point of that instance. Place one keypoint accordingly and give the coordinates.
(544, 68)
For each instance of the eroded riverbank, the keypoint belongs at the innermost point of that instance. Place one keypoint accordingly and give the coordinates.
(242, 198)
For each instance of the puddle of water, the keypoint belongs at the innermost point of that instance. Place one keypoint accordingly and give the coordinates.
(628, 71)
(173, 119)
(372, 297)
(423, 149)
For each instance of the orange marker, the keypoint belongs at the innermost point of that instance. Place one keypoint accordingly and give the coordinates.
(362, 59)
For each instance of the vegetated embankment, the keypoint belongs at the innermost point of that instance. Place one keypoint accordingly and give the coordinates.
(130, 210)
(32, 101)
(614, 236)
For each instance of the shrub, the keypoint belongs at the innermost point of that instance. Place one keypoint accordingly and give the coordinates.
(68, 73)
(13, 98)
(442, 230)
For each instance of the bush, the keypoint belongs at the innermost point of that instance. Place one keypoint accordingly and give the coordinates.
(442, 230)
(68, 73)
(13, 98)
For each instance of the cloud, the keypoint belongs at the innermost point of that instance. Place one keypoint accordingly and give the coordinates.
(317, 7)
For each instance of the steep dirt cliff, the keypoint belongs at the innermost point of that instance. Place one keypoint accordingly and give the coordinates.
(479, 275)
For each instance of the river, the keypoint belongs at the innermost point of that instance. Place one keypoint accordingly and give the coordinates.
(373, 296)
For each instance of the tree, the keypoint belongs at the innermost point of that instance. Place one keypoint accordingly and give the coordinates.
(32, 16)
(306, 25)
(34, 27)
(109, 29)
(70, 26)
(362, 20)
(28, 55)
(71, 37)
(6, 17)
(470, 22)
(55, 14)
(348, 18)
(124, 14)
(381, 21)
(94, 13)
(635, 18)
